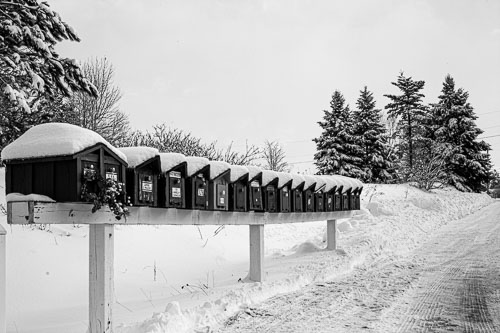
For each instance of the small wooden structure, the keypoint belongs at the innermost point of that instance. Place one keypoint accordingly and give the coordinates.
(172, 183)
(269, 186)
(142, 175)
(284, 192)
(297, 189)
(218, 186)
(238, 184)
(308, 193)
(255, 199)
(198, 173)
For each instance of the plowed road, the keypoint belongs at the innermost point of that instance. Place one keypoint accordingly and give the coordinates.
(449, 284)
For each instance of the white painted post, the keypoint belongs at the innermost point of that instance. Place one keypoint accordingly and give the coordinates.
(256, 253)
(3, 280)
(101, 284)
(331, 234)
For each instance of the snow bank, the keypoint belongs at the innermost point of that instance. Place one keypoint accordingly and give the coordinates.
(54, 139)
(195, 164)
(217, 168)
(169, 161)
(138, 155)
(18, 197)
(237, 171)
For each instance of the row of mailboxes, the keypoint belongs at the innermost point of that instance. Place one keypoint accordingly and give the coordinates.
(167, 180)
(174, 181)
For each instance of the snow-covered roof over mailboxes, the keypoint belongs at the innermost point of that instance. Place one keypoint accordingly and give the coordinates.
(169, 161)
(331, 183)
(297, 180)
(237, 171)
(320, 182)
(347, 183)
(268, 176)
(138, 155)
(253, 171)
(309, 181)
(195, 164)
(55, 139)
(283, 178)
(217, 168)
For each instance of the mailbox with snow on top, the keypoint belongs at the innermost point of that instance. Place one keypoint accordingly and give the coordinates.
(319, 194)
(269, 186)
(172, 183)
(345, 191)
(238, 180)
(142, 175)
(218, 185)
(297, 189)
(330, 189)
(197, 176)
(308, 193)
(255, 202)
(284, 192)
(64, 162)
(356, 198)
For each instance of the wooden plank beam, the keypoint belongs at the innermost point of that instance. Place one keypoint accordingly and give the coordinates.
(101, 284)
(256, 273)
(80, 213)
(3, 280)
(331, 234)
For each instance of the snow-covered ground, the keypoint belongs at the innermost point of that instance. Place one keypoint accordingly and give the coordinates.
(185, 279)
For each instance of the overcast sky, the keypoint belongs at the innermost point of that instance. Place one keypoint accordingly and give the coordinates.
(233, 70)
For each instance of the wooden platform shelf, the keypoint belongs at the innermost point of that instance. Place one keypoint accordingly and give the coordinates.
(101, 240)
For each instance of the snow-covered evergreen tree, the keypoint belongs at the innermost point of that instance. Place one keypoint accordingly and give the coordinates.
(370, 135)
(411, 116)
(29, 65)
(337, 151)
(452, 122)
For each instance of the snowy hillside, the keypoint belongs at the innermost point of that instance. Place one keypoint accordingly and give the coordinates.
(182, 279)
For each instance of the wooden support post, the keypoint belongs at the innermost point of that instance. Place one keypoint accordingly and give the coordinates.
(101, 285)
(3, 280)
(331, 234)
(256, 252)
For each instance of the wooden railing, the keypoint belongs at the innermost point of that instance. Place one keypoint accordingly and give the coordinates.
(101, 240)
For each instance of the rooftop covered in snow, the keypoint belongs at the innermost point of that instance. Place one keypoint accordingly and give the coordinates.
(169, 161)
(237, 172)
(55, 139)
(138, 155)
(268, 176)
(253, 171)
(195, 164)
(297, 180)
(284, 178)
(217, 168)
(310, 180)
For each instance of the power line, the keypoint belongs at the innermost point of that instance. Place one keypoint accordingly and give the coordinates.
(480, 114)
(491, 136)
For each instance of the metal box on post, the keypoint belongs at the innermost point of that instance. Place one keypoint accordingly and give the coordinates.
(297, 188)
(284, 192)
(346, 192)
(198, 173)
(238, 182)
(254, 189)
(319, 194)
(142, 175)
(218, 186)
(308, 194)
(172, 182)
(58, 160)
(270, 190)
(330, 189)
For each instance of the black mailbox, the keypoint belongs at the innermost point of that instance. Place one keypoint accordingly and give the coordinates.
(142, 175)
(284, 192)
(254, 189)
(297, 191)
(330, 189)
(56, 160)
(319, 194)
(308, 194)
(172, 182)
(358, 196)
(218, 185)
(346, 193)
(198, 173)
(238, 182)
(270, 190)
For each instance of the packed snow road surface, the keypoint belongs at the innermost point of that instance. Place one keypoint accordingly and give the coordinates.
(451, 283)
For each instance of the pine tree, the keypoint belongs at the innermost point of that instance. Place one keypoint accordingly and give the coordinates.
(411, 115)
(337, 150)
(453, 122)
(371, 136)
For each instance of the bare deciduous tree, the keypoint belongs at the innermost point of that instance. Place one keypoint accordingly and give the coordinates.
(274, 156)
(101, 114)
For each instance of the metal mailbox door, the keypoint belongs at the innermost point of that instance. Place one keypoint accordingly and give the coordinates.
(310, 201)
(298, 201)
(320, 201)
(338, 202)
(200, 187)
(329, 202)
(271, 198)
(239, 194)
(175, 188)
(256, 196)
(285, 199)
(221, 197)
(146, 188)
